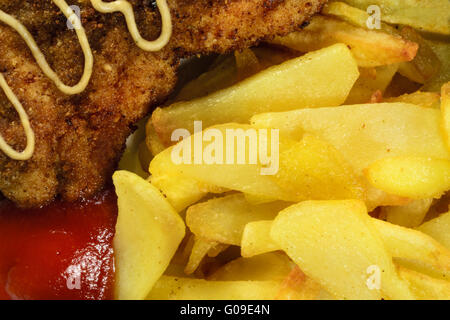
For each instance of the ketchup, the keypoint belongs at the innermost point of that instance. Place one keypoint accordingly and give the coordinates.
(62, 251)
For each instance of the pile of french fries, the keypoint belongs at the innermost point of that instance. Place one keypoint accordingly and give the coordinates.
(359, 207)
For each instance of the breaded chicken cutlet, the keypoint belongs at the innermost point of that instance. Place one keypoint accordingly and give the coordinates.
(79, 138)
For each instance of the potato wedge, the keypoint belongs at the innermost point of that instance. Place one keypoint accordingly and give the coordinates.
(411, 177)
(200, 250)
(269, 266)
(256, 239)
(223, 73)
(321, 78)
(370, 81)
(353, 15)
(297, 286)
(371, 48)
(438, 228)
(173, 288)
(445, 109)
(442, 50)
(246, 177)
(223, 219)
(425, 65)
(431, 15)
(415, 247)
(334, 243)
(148, 233)
(410, 215)
(425, 287)
(365, 133)
(179, 189)
(419, 98)
(312, 169)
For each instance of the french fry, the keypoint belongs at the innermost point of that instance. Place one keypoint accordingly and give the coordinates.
(247, 63)
(371, 48)
(334, 243)
(410, 215)
(297, 286)
(437, 228)
(314, 169)
(370, 81)
(415, 247)
(442, 50)
(173, 288)
(245, 177)
(431, 16)
(419, 98)
(152, 140)
(179, 189)
(321, 78)
(425, 65)
(425, 287)
(222, 74)
(411, 177)
(365, 133)
(256, 239)
(353, 15)
(445, 109)
(270, 266)
(223, 219)
(200, 250)
(148, 232)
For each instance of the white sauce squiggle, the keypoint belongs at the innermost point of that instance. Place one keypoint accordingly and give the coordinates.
(104, 7)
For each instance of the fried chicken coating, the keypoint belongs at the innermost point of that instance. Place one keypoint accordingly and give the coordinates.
(80, 138)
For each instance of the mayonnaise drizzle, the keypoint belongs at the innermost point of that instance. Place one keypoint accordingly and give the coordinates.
(104, 7)
(10, 152)
(127, 10)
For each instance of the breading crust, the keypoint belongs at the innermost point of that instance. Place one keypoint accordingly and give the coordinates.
(80, 138)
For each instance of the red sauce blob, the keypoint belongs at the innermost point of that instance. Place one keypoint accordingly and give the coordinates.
(62, 251)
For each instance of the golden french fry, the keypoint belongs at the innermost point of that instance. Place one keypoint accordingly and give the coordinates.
(246, 177)
(419, 98)
(152, 140)
(371, 48)
(270, 266)
(223, 219)
(412, 177)
(321, 78)
(438, 228)
(366, 133)
(247, 63)
(312, 169)
(297, 286)
(445, 109)
(148, 232)
(442, 50)
(200, 250)
(425, 65)
(353, 15)
(410, 215)
(370, 81)
(256, 239)
(425, 287)
(179, 189)
(173, 288)
(415, 247)
(335, 244)
(223, 73)
(431, 16)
